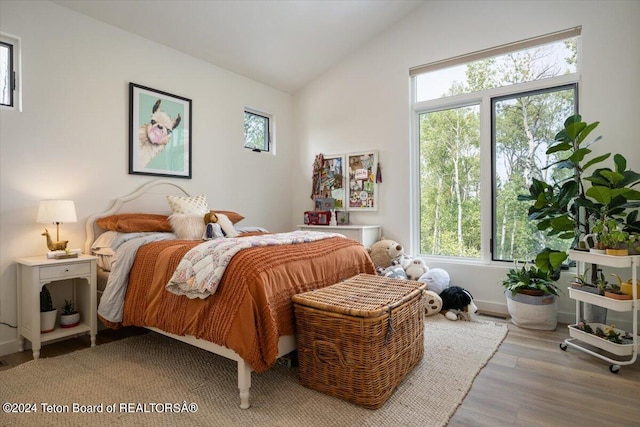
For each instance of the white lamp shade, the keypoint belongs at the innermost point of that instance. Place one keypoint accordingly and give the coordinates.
(57, 211)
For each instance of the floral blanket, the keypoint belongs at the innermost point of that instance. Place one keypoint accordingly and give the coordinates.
(202, 268)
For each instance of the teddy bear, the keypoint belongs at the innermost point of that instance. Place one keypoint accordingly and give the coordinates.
(384, 251)
(210, 217)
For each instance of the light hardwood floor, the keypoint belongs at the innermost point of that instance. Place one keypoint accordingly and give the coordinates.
(529, 382)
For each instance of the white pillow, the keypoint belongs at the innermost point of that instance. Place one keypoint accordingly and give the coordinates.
(226, 225)
(188, 226)
(188, 205)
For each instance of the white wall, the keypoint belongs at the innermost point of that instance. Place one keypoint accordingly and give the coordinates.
(71, 140)
(364, 102)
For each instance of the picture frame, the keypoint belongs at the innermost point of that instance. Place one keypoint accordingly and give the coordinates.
(362, 189)
(159, 133)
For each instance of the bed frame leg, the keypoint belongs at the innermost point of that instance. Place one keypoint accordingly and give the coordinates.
(244, 383)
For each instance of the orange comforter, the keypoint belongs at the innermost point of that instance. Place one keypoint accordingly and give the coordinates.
(252, 306)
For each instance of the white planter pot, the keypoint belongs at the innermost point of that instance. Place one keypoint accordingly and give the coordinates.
(48, 320)
(69, 320)
(533, 312)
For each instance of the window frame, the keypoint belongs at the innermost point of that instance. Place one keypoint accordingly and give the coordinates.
(493, 100)
(269, 130)
(15, 70)
(484, 99)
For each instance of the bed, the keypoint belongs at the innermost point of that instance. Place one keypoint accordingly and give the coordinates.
(249, 318)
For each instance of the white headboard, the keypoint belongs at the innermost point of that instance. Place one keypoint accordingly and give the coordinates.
(151, 197)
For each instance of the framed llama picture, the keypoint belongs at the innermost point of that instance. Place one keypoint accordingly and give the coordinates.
(361, 184)
(159, 133)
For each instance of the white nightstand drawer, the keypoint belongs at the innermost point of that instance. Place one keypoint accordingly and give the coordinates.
(65, 270)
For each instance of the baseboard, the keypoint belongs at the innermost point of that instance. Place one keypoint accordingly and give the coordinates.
(8, 347)
(621, 320)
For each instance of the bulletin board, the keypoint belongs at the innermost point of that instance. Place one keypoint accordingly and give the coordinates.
(332, 180)
(362, 190)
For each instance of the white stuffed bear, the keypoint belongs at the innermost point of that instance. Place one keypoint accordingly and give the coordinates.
(437, 280)
(416, 269)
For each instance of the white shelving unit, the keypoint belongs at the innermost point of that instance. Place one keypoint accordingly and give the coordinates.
(633, 306)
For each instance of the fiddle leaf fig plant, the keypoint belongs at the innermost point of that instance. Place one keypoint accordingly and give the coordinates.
(565, 208)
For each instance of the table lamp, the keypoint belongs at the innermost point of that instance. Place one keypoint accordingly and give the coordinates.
(56, 212)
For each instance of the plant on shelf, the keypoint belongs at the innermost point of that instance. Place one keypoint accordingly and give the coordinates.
(48, 313)
(610, 232)
(46, 304)
(609, 333)
(601, 283)
(68, 308)
(581, 280)
(69, 316)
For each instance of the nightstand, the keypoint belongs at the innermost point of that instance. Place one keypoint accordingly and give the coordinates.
(33, 274)
(365, 234)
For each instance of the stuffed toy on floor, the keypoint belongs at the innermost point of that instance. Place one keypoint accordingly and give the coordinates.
(384, 252)
(457, 303)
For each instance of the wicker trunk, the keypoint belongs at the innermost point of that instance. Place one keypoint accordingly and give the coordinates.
(358, 339)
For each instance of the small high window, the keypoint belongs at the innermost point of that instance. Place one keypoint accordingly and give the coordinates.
(10, 72)
(257, 131)
(7, 75)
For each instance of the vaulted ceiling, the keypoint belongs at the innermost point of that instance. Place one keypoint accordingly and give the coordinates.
(284, 44)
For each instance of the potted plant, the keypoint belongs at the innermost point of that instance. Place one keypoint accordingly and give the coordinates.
(531, 297)
(567, 209)
(69, 317)
(611, 234)
(580, 280)
(627, 287)
(48, 313)
(602, 284)
(613, 291)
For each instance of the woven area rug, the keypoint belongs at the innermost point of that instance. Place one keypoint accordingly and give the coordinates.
(152, 380)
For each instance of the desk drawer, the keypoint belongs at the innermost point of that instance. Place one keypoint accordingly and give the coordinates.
(65, 270)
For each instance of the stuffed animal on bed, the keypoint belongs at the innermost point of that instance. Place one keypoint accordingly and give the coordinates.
(220, 222)
(457, 303)
(210, 217)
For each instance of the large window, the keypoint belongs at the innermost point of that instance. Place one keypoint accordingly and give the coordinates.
(483, 124)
